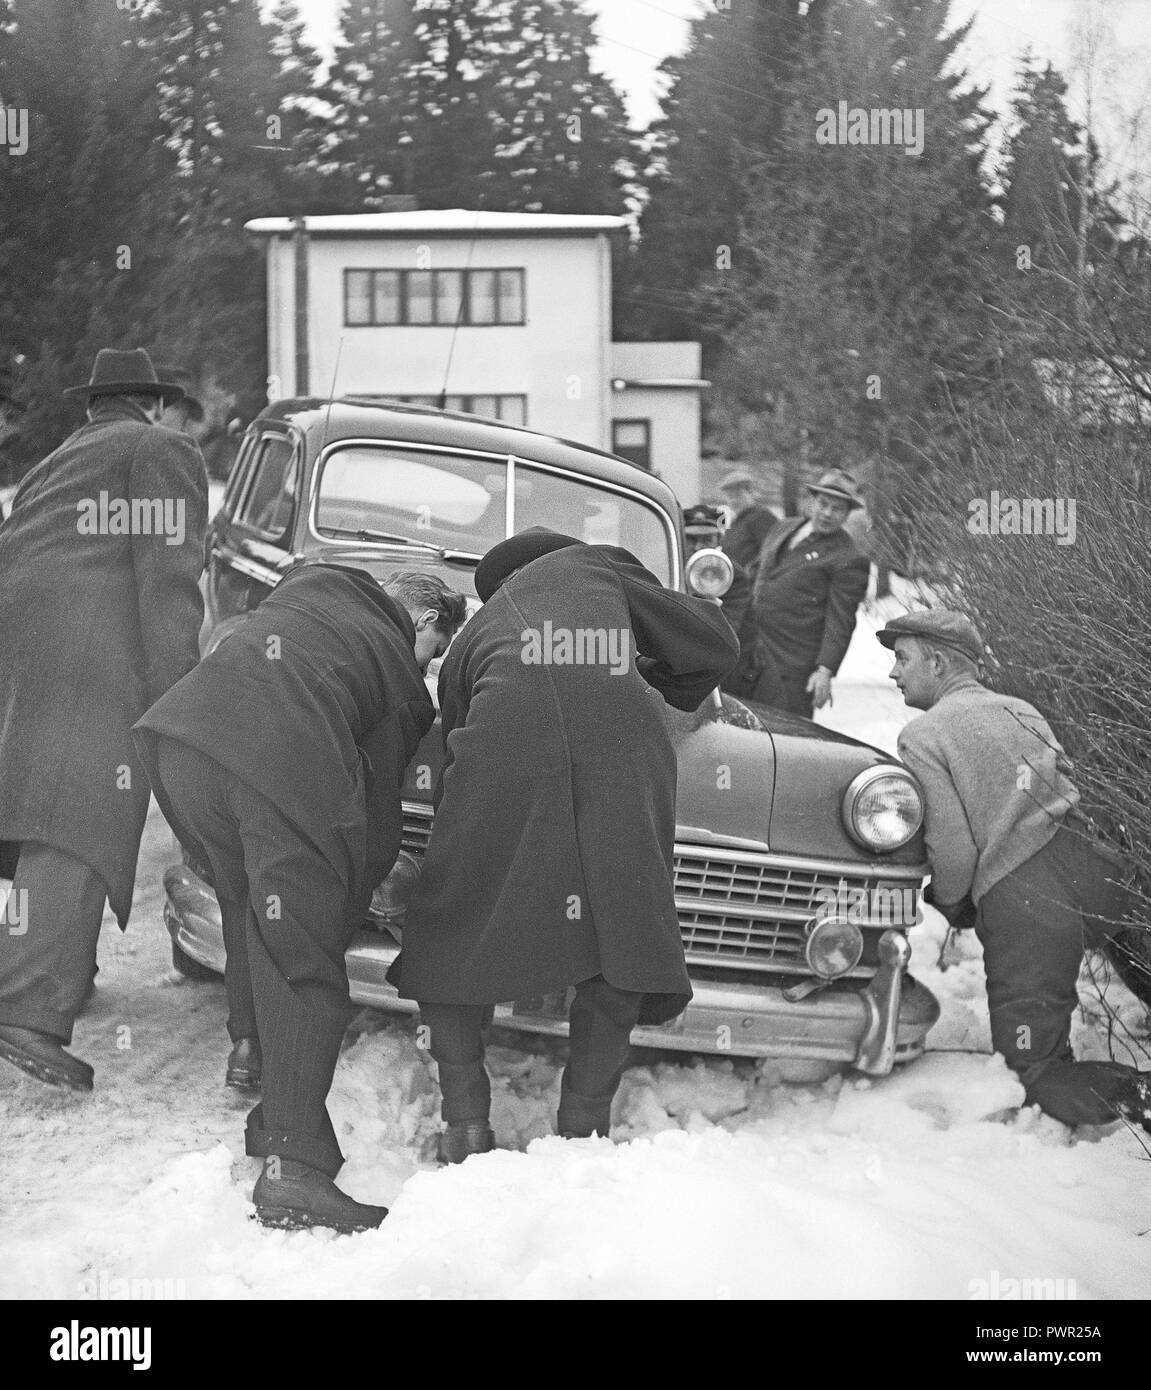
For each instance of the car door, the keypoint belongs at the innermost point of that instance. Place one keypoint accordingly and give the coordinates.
(250, 540)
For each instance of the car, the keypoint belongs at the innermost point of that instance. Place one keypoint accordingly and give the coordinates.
(799, 856)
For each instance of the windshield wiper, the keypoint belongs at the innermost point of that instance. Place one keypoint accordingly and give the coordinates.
(391, 538)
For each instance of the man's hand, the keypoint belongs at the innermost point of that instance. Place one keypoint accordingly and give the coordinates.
(819, 687)
(960, 915)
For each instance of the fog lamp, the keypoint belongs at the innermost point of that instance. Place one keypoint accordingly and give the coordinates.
(833, 947)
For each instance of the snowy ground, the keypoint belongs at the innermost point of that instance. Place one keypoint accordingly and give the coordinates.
(719, 1182)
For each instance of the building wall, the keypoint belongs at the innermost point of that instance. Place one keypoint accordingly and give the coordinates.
(559, 359)
(674, 411)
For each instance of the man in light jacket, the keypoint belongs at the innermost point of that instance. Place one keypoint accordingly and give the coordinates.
(1012, 856)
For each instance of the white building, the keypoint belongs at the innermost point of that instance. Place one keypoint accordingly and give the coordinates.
(501, 314)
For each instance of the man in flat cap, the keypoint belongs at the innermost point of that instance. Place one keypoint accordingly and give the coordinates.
(100, 612)
(550, 861)
(1012, 856)
(810, 579)
(751, 518)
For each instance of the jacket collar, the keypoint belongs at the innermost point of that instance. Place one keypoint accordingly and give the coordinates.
(105, 408)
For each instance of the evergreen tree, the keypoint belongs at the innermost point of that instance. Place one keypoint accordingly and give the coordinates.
(476, 103)
(856, 310)
(726, 97)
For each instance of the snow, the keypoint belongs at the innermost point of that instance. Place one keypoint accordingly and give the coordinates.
(719, 1182)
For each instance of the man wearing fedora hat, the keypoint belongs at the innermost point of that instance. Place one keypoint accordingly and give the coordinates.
(100, 612)
(810, 579)
(550, 861)
(1012, 855)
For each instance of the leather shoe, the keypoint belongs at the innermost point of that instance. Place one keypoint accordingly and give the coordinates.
(290, 1196)
(245, 1065)
(460, 1141)
(44, 1057)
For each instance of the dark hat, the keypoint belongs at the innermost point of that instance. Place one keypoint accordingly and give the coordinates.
(838, 483)
(126, 374)
(701, 520)
(943, 626)
(514, 553)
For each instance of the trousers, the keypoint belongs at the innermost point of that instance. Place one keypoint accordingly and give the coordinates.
(48, 935)
(600, 1024)
(284, 909)
(1034, 925)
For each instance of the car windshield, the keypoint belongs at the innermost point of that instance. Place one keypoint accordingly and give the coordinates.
(378, 492)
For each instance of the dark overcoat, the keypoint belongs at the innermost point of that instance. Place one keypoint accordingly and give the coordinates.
(550, 859)
(743, 539)
(317, 702)
(94, 626)
(804, 600)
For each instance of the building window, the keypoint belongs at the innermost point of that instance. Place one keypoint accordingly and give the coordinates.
(631, 439)
(415, 298)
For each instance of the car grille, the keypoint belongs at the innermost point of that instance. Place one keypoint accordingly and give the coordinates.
(733, 911)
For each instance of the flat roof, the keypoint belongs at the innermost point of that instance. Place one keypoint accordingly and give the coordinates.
(444, 222)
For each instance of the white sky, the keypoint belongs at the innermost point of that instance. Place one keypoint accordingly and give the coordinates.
(636, 35)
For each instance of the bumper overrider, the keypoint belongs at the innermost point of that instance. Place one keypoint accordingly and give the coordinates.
(866, 1023)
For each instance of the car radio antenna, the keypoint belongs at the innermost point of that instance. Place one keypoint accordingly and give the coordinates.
(331, 394)
(442, 398)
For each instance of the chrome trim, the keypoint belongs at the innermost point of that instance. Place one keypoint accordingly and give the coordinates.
(245, 565)
(700, 557)
(698, 834)
(858, 785)
(804, 865)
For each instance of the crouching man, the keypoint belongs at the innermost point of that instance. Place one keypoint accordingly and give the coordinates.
(1010, 855)
(278, 762)
(550, 861)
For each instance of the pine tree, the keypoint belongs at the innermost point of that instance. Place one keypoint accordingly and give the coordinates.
(475, 103)
(725, 100)
(856, 310)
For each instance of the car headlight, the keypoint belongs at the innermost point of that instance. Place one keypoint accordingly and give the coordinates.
(882, 808)
(709, 573)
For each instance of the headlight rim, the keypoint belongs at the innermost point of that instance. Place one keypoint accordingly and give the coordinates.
(855, 789)
(710, 553)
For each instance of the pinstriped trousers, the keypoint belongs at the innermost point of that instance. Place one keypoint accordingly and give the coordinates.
(285, 908)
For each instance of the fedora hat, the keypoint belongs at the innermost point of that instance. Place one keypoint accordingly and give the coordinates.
(131, 373)
(514, 553)
(836, 482)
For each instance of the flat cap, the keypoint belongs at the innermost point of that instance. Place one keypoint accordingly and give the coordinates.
(943, 626)
(738, 477)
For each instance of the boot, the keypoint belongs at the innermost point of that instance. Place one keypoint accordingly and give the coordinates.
(460, 1141)
(301, 1197)
(245, 1065)
(44, 1057)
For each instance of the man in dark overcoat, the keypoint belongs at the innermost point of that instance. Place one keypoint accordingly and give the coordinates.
(278, 762)
(550, 860)
(100, 613)
(810, 579)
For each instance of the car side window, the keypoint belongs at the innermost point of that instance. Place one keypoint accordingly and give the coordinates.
(270, 500)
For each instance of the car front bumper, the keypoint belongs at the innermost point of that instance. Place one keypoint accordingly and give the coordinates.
(869, 1025)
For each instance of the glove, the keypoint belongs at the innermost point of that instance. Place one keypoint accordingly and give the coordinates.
(960, 915)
